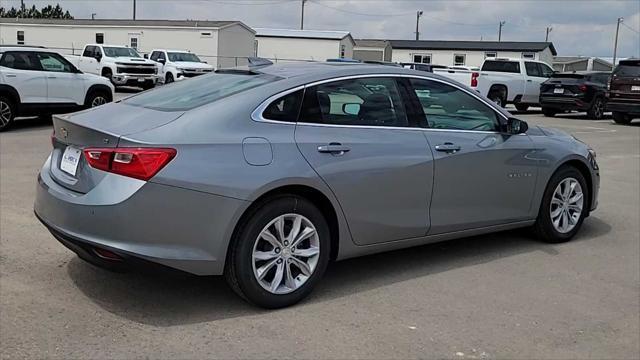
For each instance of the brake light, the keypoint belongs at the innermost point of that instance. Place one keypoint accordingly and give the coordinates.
(139, 163)
(583, 88)
(474, 79)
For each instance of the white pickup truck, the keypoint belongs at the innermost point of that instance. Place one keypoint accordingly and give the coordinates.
(178, 65)
(512, 81)
(122, 65)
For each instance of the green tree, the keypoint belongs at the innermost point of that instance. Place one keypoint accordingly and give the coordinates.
(47, 12)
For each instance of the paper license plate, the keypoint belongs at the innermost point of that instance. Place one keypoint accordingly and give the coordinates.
(558, 91)
(70, 160)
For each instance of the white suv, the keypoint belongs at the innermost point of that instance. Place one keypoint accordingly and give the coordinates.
(38, 81)
(178, 65)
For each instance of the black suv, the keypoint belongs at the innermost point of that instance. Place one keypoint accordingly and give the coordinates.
(624, 91)
(576, 91)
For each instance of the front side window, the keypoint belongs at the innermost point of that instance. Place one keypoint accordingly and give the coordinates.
(89, 51)
(21, 60)
(532, 69)
(20, 37)
(546, 70)
(54, 62)
(285, 108)
(365, 101)
(154, 55)
(446, 107)
(459, 59)
(422, 58)
(198, 91)
(120, 51)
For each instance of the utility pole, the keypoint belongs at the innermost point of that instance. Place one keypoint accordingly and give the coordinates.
(134, 9)
(93, 16)
(302, 15)
(500, 30)
(22, 5)
(615, 44)
(418, 15)
(549, 29)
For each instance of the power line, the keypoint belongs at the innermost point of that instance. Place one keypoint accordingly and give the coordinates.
(630, 28)
(355, 12)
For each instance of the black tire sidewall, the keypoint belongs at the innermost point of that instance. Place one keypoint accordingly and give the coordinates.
(495, 95)
(13, 108)
(592, 111)
(548, 113)
(168, 78)
(620, 118)
(242, 253)
(544, 226)
(93, 95)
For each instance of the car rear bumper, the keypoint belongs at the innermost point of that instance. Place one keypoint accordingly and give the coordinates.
(179, 228)
(623, 107)
(564, 103)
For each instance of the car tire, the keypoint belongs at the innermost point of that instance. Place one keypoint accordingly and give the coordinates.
(560, 216)
(522, 107)
(548, 112)
(8, 111)
(596, 111)
(263, 267)
(169, 78)
(497, 97)
(96, 98)
(106, 72)
(621, 118)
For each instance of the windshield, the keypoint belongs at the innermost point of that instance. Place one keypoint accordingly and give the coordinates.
(627, 70)
(198, 91)
(180, 56)
(120, 51)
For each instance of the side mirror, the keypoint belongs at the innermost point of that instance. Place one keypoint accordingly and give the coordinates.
(204, 62)
(162, 61)
(351, 109)
(98, 58)
(516, 126)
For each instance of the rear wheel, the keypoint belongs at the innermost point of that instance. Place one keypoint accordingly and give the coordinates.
(597, 109)
(7, 113)
(498, 97)
(564, 206)
(522, 107)
(279, 253)
(621, 118)
(548, 112)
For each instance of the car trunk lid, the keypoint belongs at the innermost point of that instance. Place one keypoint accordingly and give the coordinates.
(96, 128)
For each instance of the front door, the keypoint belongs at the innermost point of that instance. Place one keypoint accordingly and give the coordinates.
(64, 86)
(482, 177)
(536, 74)
(357, 136)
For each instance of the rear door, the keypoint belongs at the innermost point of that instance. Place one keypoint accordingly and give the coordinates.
(358, 137)
(23, 72)
(482, 177)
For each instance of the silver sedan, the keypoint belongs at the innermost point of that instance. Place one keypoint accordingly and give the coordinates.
(267, 174)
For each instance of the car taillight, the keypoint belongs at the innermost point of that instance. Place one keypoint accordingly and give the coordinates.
(583, 88)
(139, 163)
(474, 79)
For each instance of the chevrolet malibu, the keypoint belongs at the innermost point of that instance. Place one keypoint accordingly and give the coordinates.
(267, 174)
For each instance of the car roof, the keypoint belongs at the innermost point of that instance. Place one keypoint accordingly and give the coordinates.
(328, 70)
(24, 48)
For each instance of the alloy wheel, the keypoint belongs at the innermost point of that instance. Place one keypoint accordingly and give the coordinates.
(286, 253)
(566, 205)
(98, 100)
(598, 109)
(5, 113)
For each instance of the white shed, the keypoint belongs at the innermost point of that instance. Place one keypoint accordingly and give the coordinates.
(468, 53)
(292, 45)
(221, 43)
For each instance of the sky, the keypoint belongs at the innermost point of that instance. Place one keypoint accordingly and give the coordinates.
(579, 27)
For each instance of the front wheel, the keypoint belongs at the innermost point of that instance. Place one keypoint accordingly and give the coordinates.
(97, 98)
(149, 84)
(279, 253)
(564, 206)
(7, 113)
(169, 78)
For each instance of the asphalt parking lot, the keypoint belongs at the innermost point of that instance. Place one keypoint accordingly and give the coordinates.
(496, 296)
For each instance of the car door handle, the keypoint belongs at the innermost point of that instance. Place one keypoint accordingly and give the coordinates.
(529, 80)
(333, 148)
(448, 148)
(10, 75)
(51, 77)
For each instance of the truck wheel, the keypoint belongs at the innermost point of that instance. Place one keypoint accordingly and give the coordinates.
(7, 113)
(497, 97)
(106, 72)
(621, 118)
(548, 112)
(522, 107)
(597, 109)
(169, 78)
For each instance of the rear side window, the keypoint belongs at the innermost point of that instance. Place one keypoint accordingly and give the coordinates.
(366, 101)
(285, 108)
(627, 70)
(198, 91)
(501, 66)
(20, 60)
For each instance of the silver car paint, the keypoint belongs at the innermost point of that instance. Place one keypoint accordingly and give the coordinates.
(185, 216)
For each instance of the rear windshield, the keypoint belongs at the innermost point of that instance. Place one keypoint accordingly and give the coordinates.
(567, 76)
(501, 66)
(627, 70)
(201, 90)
